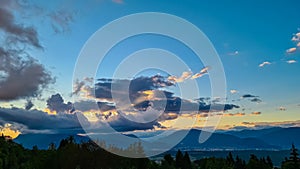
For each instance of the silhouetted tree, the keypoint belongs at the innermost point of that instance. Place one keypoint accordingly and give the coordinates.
(239, 163)
(269, 162)
(294, 154)
(293, 162)
(186, 163)
(169, 159)
(229, 159)
(179, 159)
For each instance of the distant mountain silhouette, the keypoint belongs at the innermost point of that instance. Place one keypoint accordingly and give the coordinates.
(283, 137)
(222, 141)
(43, 140)
(253, 133)
(265, 139)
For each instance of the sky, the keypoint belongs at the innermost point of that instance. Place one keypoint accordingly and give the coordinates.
(258, 43)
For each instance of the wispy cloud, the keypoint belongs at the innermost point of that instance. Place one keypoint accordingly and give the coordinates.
(235, 53)
(17, 33)
(183, 77)
(291, 61)
(296, 40)
(256, 113)
(248, 96)
(282, 108)
(291, 50)
(21, 75)
(61, 20)
(239, 114)
(201, 73)
(256, 100)
(264, 64)
(259, 125)
(233, 91)
(296, 37)
(188, 75)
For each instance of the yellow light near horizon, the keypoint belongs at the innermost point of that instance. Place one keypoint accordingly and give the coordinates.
(51, 112)
(9, 132)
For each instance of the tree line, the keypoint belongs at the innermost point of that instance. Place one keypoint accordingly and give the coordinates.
(88, 155)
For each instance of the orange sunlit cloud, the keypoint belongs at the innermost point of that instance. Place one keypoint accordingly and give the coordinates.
(7, 131)
(256, 113)
(50, 112)
(291, 50)
(183, 77)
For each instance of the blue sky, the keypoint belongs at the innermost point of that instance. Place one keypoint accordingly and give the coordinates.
(244, 33)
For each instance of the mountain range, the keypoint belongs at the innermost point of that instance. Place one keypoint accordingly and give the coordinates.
(275, 138)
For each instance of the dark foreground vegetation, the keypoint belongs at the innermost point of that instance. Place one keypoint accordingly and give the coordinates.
(88, 155)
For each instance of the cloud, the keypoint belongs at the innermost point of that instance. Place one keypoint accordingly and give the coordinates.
(282, 108)
(17, 33)
(296, 37)
(26, 121)
(121, 123)
(84, 88)
(239, 114)
(56, 103)
(28, 105)
(248, 96)
(291, 50)
(188, 75)
(260, 125)
(291, 61)
(296, 40)
(21, 76)
(233, 91)
(147, 96)
(201, 73)
(264, 64)
(61, 20)
(257, 100)
(183, 77)
(235, 53)
(256, 113)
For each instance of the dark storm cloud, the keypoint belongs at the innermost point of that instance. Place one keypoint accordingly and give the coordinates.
(148, 91)
(88, 105)
(123, 124)
(56, 103)
(105, 87)
(146, 94)
(39, 120)
(21, 76)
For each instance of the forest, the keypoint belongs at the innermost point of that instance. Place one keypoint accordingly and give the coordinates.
(88, 155)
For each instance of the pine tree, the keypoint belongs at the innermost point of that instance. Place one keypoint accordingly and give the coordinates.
(269, 162)
(229, 159)
(179, 159)
(186, 164)
(169, 159)
(294, 154)
(293, 162)
(239, 163)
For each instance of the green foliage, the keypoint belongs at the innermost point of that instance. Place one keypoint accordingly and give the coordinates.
(293, 162)
(88, 155)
